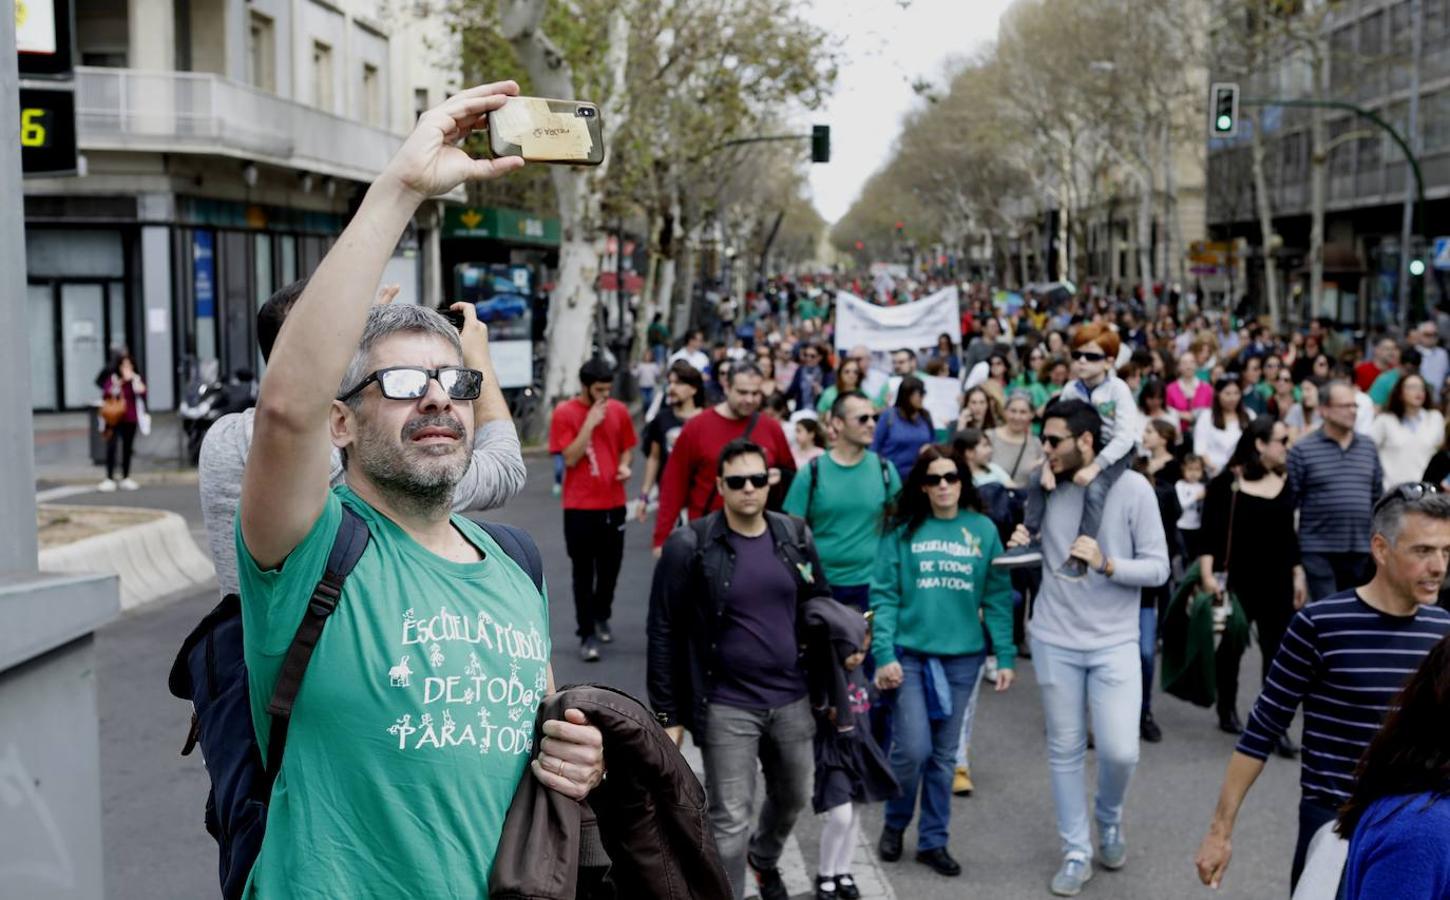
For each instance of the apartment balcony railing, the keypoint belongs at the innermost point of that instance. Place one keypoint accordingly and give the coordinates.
(202, 113)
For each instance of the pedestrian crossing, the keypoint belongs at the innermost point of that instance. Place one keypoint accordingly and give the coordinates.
(798, 874)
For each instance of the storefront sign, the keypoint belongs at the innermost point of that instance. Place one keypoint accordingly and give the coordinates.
(203, 273)
(47, 131)
(499, 224)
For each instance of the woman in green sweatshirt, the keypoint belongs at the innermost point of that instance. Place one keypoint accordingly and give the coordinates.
(933, 588)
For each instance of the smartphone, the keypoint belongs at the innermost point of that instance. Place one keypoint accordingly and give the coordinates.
(566, 132)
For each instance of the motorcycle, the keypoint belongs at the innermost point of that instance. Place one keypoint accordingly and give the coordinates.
(207, 401)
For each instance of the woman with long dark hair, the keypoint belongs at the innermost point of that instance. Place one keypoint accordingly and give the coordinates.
(1217, 430)
(122, 387)
(933, 589)
(905, 428)
(1248, 528)
(1397, 819)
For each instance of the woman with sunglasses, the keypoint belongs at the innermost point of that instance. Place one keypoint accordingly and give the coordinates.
(1282, 396)
(1248, 527)
(1408, 432)
(1217, 430)
(933, 590)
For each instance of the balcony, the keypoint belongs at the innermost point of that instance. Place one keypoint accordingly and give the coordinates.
(190, 112)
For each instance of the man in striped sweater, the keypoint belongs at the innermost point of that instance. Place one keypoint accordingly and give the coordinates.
(1344, 658)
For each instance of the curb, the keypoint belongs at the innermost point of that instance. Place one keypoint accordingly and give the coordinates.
(154, 559)
(92, 478)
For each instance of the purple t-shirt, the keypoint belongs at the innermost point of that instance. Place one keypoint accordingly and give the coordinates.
(757, 660)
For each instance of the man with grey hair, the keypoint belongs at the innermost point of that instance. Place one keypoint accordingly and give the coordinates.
(1344, 658)
(494, 476)
(1335, 479)
(415, 721)
(1434, 360)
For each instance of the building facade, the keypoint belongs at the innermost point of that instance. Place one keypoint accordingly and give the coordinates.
(223, 143)
(1366, 52)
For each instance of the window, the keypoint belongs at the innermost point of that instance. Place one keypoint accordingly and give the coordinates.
(322, 77)
(372, 95)
(420, 103)
(261, 53)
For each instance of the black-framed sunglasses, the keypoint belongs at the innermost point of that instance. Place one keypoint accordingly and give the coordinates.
(865, 418)
(1088, 356)
(1050, 441)
(1406, 493)
(411, 382)
(933, 480)
(738, 482)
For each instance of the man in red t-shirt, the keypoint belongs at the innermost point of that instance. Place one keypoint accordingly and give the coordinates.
(1386, 357)
(596, 437)
(688, 482)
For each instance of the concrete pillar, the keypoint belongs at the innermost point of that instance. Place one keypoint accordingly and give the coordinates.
(152, 35)
(158, 312)
(433, 256)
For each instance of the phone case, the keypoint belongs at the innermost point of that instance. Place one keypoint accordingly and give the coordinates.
(549, 131)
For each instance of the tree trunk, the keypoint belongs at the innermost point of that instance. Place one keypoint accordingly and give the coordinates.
(1266, 229)
(1317, 195)
(569, 335)
(1172, 240)
(1144, 237)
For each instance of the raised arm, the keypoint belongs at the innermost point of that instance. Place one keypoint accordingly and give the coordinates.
(285, 483)
(497, 473)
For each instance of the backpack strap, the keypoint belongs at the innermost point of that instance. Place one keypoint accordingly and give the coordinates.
(749, 428)
(815, 470)
(347, 549)
(520, 547)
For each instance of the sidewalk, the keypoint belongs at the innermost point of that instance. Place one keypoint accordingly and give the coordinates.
(63, 451)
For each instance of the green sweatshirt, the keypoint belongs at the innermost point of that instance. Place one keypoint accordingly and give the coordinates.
(933, 590)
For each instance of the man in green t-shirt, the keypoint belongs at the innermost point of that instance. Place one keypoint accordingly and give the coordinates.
(415, 720)
(842, 495)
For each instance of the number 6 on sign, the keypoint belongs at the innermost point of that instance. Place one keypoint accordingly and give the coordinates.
(32, 127)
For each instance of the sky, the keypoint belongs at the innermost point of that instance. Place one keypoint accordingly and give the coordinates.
(885, 48)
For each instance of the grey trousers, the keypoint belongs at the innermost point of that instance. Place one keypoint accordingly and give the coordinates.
(781, 740)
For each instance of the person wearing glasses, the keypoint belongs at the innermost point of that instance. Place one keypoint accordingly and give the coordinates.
(841, 493)
(1343, 658)
(933, 588)
(1085, 640)
(595, 435)
(495, 476)
(1335, 478)
(724, 661)
(1094, 349)
(376, 771)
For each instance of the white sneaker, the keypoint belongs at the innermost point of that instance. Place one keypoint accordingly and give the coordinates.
(989, 670)
(107, 486)
(129, 484)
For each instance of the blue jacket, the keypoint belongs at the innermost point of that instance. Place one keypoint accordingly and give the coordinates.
(900, 440)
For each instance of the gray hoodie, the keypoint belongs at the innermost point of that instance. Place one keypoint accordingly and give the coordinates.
(495, 475)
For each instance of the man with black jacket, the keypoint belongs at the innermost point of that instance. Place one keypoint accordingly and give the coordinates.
(725, 661)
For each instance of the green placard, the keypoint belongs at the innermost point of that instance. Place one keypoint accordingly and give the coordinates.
(499, 224)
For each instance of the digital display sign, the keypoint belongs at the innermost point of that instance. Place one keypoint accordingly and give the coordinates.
(47, 131)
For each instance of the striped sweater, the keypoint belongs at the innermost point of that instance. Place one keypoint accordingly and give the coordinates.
(1335, 489)
(1344, 661)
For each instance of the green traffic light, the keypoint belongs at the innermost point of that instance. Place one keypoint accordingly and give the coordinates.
(1417, 267)
(1224, 123)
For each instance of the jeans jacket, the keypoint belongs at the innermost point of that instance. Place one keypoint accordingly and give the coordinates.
(687, 605)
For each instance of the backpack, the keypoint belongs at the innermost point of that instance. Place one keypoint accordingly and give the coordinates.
(211, 672)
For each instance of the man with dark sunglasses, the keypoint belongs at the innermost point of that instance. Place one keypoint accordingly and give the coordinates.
(416, 718)
(841, 495)
(596, 437)
(725, 661)
(1344, 658)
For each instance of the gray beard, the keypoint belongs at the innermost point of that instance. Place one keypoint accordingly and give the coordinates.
(424, 491)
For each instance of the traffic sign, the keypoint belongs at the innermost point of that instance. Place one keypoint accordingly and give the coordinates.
(47, 131)
(43, 38)
(1442, 254)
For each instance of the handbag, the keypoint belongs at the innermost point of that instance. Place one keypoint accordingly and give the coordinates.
(113, 410)
(1221, 606)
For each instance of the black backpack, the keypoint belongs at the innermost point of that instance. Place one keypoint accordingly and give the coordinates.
(211, 672)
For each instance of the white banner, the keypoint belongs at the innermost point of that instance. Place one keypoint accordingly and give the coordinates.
(886, 328)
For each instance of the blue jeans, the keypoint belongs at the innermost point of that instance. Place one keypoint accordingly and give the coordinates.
(1108, 685)
(923, 752)
(1147, 649)
(646, 397)
(1329, 573)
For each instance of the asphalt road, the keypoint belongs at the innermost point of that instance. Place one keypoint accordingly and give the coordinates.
(1004, 835)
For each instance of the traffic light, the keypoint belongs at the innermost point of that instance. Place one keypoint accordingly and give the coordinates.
(1417, 267)
(860, 245)
(1224, 110)
(820, 143)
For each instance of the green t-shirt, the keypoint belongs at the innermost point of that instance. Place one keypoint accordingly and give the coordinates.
(933, 590)
(845, 513)
(414, 722)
